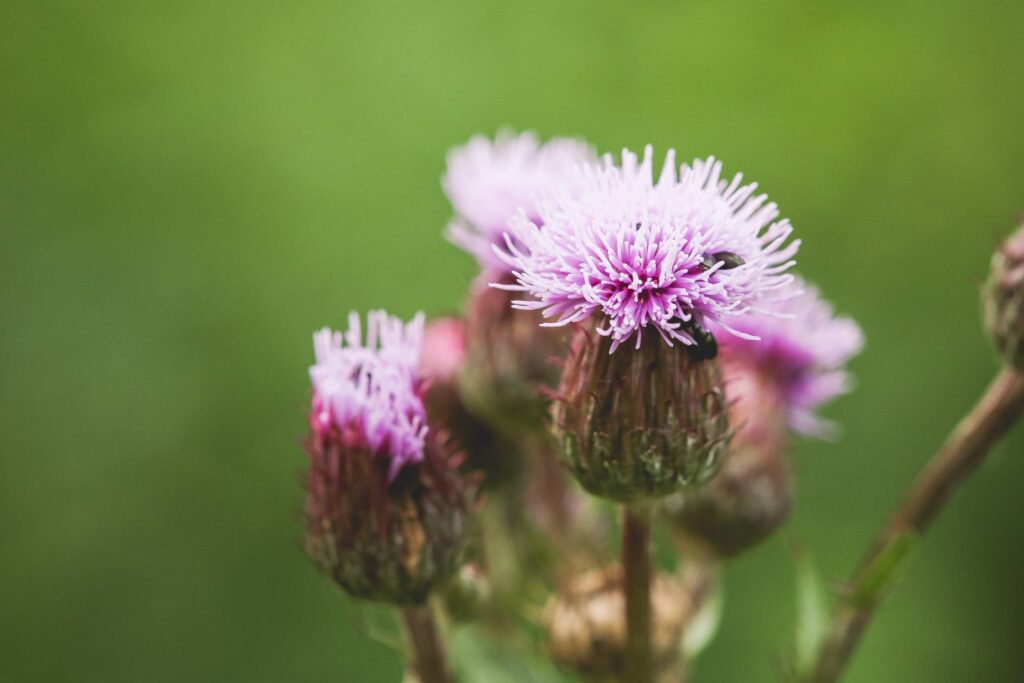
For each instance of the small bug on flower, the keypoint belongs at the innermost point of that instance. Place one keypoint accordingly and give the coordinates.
(705, 348)
(728, 259)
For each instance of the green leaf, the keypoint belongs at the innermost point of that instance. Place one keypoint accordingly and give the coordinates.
(812, 611)
(378, 622)
(702, 628)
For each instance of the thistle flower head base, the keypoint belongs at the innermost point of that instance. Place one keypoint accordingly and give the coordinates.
(381, 539)
(638, 424)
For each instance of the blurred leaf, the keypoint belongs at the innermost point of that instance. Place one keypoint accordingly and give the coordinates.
(379, 622)
(704, 626)
(812, 610)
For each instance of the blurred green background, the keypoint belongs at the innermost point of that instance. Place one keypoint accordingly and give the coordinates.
(188, 189)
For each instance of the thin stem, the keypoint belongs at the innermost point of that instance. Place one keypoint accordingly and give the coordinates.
(636, 570)
(553, 492)
(999, 408)
(426, 651)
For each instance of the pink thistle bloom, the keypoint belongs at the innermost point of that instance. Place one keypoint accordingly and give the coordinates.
(488, 181)
(367, 393)
(802, 352)
(640, 252)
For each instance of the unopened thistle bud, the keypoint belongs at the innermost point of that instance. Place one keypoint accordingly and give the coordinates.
(637, 254)
(587, 628)
(385, 503)
(1003, 296)
(774, 385)
(508, 361)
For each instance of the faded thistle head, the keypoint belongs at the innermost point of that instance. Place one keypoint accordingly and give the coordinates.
(586, 624)
(621, 254)
(1003, 300)
(385, 502)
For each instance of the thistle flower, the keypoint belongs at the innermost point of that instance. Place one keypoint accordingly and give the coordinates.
(371, 390)
(488, 181)
(385, 503)
(623, 253)
(1004, 300)
(802, 350)
(773, 385)
(641, 253)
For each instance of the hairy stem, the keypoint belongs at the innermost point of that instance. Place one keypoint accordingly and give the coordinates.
(426, 651)
(636, 569)
(999, 408)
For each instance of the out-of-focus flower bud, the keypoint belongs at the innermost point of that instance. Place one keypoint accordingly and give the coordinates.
(1003, 300)
(789, 362)
(751, 496)
(640, 422)
(587, 627)
(442, 356)
(441, 363)
(467, 593)
(510, 359)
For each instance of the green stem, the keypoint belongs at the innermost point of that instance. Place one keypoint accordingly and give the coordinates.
(636, 570)
(426, 651)
(993, 416)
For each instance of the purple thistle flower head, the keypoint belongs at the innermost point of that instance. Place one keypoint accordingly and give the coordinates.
(488, 181)
(802, 350)
(641, 252)
(367, 391)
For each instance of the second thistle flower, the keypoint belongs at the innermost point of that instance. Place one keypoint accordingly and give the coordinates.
(507, 361)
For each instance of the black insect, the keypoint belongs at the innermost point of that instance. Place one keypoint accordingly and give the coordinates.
(706, 347)
(728, 259)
